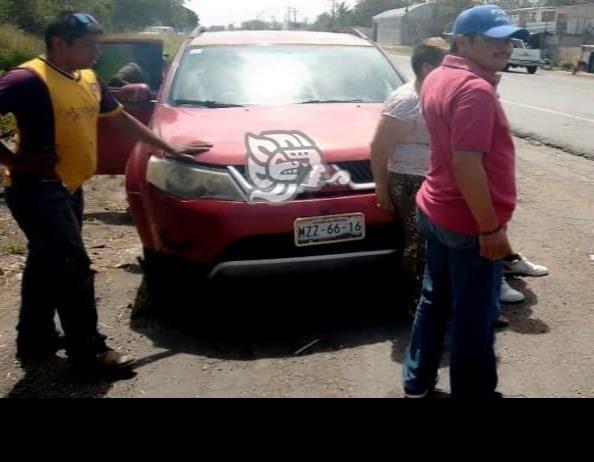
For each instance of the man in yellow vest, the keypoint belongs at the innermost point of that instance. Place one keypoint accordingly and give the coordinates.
(57, 101)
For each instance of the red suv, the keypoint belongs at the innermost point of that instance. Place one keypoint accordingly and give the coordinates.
(288, 184)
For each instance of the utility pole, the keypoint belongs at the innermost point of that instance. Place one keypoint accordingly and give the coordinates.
(291, 13)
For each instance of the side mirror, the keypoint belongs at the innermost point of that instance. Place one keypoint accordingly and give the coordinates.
(135, 93)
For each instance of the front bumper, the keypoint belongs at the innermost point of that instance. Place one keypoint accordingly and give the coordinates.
(302, 265)
(228, 237)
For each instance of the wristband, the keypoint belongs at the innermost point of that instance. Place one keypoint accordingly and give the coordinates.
(491, 233)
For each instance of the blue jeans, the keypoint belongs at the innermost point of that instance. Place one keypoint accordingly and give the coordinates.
(462, 287)
(58, 275)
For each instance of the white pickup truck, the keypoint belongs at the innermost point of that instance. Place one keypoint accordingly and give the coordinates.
(525, 57)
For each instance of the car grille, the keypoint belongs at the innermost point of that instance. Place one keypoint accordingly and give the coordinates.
(360, 172)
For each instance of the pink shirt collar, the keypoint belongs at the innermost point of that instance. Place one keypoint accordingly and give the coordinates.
(456, 62)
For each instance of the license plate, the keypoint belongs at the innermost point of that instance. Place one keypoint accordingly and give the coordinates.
(329, 230)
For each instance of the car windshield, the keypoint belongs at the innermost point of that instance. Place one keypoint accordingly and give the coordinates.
(227, 76)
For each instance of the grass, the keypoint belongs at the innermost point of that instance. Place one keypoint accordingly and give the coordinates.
(7, 125)
(17, 46)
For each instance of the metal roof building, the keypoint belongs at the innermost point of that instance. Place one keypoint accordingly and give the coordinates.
(407, 26)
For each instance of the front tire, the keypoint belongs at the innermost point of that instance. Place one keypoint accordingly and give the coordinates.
(532, 69)
(167, 281)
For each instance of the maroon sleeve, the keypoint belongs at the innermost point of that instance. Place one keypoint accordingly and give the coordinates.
(17, 88)
(108, 102)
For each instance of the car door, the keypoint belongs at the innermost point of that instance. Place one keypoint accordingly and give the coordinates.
(142, 62)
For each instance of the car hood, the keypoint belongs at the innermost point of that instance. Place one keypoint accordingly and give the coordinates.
(342, 132)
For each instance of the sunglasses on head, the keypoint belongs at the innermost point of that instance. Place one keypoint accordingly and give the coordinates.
(84, 18)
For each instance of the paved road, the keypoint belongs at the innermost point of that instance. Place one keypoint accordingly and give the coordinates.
(551, 107)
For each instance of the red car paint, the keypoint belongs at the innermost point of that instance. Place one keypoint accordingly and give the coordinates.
(204, 231)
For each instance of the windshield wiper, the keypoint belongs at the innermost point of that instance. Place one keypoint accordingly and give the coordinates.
(206, 103)
(328, 101)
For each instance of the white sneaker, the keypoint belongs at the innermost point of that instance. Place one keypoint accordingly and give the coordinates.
(423, 395)
(523, 267)
(509, 294)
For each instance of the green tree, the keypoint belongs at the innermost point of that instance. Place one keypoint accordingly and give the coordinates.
(119, 15)
(450, 9)
(339, 16)
(255, 24)
(323, 23)
(343, 15)
(138, 14)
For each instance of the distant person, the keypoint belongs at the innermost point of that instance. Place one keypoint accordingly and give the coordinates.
(137, 71)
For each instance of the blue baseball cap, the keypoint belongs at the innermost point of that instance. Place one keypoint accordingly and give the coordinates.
(490, 21)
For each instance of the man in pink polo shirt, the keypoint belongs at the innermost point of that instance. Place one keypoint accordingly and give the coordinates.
(465, 204)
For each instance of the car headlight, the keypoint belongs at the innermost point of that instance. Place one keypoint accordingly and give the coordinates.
(188, 181)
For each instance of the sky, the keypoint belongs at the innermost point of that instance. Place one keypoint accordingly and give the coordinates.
(224, 12)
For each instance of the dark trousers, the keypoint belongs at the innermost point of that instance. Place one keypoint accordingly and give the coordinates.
(58, 273)
(462, 288)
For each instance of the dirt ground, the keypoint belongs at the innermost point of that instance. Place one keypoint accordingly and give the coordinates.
(547, 352)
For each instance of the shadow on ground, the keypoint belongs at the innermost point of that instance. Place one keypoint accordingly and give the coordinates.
(111, 218)
(55, 379)
(272, 318)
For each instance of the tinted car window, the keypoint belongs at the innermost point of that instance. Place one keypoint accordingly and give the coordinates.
(115, 56)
